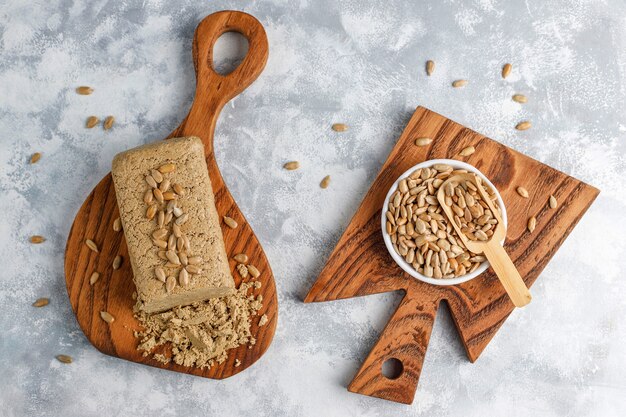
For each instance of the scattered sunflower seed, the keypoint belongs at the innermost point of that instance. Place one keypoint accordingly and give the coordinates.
(106, 316)
(459, 83)
(91, 122)
(117, 262)
(506, 70)
(151, 211)
(290, 166)
(525, 125)
(532, 223)
(117, 224)
(37, 239)
(325, 182)
(178, 189)
(430, 67)
(41, 302)
(94, 278)
(242, 258)
(520, 98)
(84, 90)
(158, 177)
(182, 219)
(64, 358)
(522, 192)
(340, 127)
(423, 141)
(35, 157)
(467, 151)
(151, 182)
(253, 271)
(108, 122)
(160, 274)
(91, 245)
(552, 202)
(263, 320)
(230, 222)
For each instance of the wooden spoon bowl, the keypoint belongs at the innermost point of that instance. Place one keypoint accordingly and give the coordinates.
(113, 292)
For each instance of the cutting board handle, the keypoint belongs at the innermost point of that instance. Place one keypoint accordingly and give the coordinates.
(214, 90)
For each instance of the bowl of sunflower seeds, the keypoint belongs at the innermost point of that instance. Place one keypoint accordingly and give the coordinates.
(419, 236)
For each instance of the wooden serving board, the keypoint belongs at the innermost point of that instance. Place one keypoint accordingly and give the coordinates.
(360, 264)
(113, 291)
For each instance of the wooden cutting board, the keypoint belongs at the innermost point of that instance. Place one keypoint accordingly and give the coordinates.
(113, 291)
(360, 264)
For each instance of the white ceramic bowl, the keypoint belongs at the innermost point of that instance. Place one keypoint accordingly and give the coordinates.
(396, 256)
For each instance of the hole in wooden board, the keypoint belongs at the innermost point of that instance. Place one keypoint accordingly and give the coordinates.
(228, 52)
(392, 368)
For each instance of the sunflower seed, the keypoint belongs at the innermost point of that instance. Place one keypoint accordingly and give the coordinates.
(41, 302)
(64, 358)
(230, 222)
(180, 243)
(35, 157)
(178, 189)
(160, 274)
(165, 185)
(117, 224)
(242, 258)
(430, 67)
(117, 262)
(158, 177)
(107, 317)
(172, 257)
(522, 192)
(290, 166)
(183, 258)
(459, 83)
(467, 151)
(168, 218)
(552, 202)
(147, 197)
(171, 242)
(195, 260)
(525, 125)
(423, 141)
(160, 243)
(325, 182)
(187, 245)
(170, 283)
(151, 182)
(177, 211)
(171, 205)
(108, 122)
(37, 239)
(164, 169)
(161, 219)
(91, 245)
(506, 70)
(532, 223)
(253, 271)
(161, 254)
(520, 98)
(243, 271)
(340, 127)
(94, 278)
(176, 230)
(183, 278)
(193, 269)
(91, 122)
(84, 90)
(151, 211)
(182, 219)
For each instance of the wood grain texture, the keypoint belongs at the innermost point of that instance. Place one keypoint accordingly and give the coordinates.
(360, 264)
(113, 291)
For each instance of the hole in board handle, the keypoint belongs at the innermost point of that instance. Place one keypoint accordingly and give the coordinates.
(229, 51)
(392, 368)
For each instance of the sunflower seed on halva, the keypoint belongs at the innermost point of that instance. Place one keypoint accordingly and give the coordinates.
(106, 316)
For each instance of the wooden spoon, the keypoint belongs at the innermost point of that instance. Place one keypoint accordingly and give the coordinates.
(113, 291)
(492, 248)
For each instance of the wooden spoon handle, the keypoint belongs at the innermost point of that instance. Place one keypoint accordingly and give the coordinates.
(213, 90)
(507, 273)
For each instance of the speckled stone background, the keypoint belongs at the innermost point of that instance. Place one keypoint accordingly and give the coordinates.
(358, 62)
